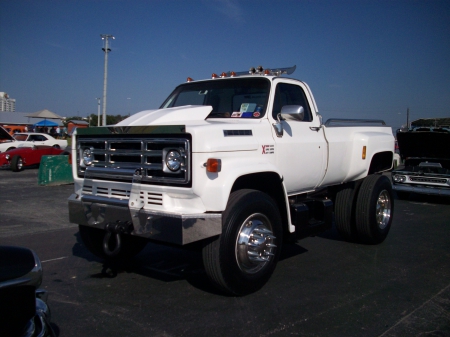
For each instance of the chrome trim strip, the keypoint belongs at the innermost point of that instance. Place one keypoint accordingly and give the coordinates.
(104, 200)
(421, 190)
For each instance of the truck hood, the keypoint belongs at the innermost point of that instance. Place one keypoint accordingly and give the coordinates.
(177, 115)
(424, 144)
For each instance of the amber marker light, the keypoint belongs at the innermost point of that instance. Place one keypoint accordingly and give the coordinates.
(214, 75)
(232, 74)
(189, 79)
(267, 72)
(224, 74)
(213, 165)
(364, 152)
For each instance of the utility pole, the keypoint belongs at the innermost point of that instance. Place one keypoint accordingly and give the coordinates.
(407, 118)
(98, 112)
(106, 49)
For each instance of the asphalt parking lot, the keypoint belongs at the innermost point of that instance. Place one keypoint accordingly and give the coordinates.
(323, 286)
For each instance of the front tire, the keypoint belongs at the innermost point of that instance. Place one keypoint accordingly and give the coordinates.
(374, 209)
(16, 164)
(242, 259)
(93, 238)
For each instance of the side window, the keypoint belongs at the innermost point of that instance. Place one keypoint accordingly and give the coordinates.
(290, 94)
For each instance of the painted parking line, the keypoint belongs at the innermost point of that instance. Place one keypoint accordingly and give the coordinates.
(58, 258)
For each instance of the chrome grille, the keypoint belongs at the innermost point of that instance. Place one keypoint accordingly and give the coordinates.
(428, 180)
(106, 192)
(118, 159)
(150, 198)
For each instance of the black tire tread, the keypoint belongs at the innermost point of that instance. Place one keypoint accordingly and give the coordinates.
(13, 164)
(365, 212)
(344, 210)
(214, 255)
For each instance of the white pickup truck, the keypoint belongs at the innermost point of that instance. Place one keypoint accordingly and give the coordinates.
(235, 165)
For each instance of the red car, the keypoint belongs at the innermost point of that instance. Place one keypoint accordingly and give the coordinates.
(21, 157)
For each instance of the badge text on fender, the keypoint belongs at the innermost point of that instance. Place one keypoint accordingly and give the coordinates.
(268, 149)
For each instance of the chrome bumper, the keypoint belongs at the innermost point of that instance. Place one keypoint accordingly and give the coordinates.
(421, 190)
(166, 227)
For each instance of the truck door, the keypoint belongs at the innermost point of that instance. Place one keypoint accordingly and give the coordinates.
(301, 151)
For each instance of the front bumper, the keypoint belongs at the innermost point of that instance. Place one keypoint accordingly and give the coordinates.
(175, 228)
(421, 189)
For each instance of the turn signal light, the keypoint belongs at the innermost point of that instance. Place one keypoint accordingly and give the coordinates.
(213, 165)
(364, 152)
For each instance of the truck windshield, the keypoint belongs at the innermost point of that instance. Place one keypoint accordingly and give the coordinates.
(231, 97)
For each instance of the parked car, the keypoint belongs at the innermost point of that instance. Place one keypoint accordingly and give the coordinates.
(7, 142)
(12, 129)
(426, 155)
(23, 309)
(33, 138)
(17, 159)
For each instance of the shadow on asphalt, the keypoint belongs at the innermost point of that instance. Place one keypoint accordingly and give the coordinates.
(424, 198)
(165, 263)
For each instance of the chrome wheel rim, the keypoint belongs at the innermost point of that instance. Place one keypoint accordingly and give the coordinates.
(383, 209)
(255, 246)
(19, 163)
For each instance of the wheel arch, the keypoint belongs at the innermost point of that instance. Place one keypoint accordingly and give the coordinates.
(381, 161)
(271, 184)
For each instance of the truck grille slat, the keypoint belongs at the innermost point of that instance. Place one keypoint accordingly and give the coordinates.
(428, 180)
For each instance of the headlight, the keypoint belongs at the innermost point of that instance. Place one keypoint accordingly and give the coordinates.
(398, 178)
(7, 157)
(88, 156)
(173, 160)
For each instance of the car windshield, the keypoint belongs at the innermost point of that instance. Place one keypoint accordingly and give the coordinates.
(20, 137)
(233, 97)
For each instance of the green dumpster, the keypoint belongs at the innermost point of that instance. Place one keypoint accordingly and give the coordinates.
(55, 170)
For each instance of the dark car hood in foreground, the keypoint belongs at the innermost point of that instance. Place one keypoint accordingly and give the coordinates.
(424, 144)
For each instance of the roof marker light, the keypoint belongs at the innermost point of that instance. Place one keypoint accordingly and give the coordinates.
(267, 72)
(232, 74)
(189, 79)
(214, 75)
(223, 75)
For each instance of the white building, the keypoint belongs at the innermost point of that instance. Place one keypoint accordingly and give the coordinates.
(6, 103)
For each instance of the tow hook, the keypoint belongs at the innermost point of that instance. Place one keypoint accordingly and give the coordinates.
(115, 230)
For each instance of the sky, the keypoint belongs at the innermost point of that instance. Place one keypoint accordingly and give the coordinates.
(362, 59)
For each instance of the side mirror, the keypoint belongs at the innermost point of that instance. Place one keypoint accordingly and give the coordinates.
(278, 127)
(296, 111)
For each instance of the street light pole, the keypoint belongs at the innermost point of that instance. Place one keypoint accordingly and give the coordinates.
(98, 112)
(106, 49)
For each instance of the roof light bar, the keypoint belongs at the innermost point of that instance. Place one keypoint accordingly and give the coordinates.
(254, 71)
